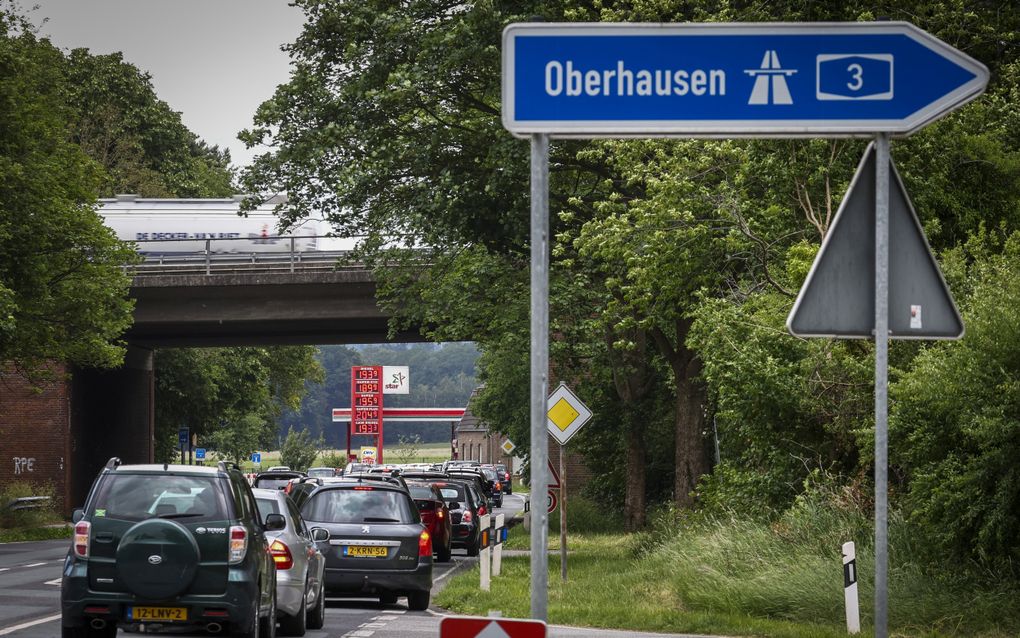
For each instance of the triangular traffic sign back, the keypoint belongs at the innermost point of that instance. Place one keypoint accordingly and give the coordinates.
(838, 297)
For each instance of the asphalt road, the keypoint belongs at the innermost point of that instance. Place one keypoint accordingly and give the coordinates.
(30, 599)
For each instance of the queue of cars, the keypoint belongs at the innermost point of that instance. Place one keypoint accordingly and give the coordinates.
(185, 547)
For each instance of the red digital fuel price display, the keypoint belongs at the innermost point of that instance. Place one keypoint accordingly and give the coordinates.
(366, 400)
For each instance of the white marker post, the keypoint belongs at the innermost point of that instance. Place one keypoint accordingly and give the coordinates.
(853, 611)
(497, 546)
(485, 553)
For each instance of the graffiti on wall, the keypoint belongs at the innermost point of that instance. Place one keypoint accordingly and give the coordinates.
(23, 465)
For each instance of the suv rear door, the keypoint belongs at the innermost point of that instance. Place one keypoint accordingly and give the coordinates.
(125, 500)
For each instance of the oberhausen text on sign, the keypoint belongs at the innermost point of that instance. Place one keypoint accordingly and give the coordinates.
(765, 79)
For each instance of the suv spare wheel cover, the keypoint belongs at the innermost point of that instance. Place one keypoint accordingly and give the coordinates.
(157, 558)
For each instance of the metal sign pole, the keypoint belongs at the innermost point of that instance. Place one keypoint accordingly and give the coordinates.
(881, 383)
(539, 373)
(563, 514)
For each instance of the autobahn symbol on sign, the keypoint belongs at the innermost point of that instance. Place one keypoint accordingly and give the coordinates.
(477, 627)
(712, 79)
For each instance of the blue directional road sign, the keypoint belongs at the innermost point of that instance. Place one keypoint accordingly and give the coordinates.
(182, 437)
(738, 79)
(256, 457)
(200, 454)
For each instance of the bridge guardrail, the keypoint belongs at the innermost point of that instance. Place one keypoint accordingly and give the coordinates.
(215, 255)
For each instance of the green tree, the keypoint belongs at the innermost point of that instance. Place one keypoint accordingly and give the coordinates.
(138, 138)
(955, 422)
(63, 292)
(299, 450)
(230, 396)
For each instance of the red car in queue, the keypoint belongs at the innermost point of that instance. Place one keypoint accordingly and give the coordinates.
(435, 515)
(467, 505)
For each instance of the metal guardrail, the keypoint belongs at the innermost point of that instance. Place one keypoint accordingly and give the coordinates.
(217, 255)
(28, 502)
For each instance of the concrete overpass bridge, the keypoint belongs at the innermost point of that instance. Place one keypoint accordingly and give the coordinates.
(199, 299)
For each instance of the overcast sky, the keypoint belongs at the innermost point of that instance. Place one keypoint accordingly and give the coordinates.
(214, 61)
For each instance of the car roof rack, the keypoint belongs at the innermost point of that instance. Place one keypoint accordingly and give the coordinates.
(113, 463)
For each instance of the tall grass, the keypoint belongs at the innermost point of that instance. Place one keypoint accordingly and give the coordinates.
(724, 573)
(791, 569)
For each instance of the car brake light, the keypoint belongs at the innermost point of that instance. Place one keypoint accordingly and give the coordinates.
(506, 477)
(482, 510)
(238, 543)
(499, 486)
(439, 513)
(467, 517)
(81, 539)
(289, 487)
(364, 488)
(281, 555)
(425, 544)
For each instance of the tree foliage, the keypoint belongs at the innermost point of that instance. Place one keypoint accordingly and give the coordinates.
(63, 293)
(674, 262)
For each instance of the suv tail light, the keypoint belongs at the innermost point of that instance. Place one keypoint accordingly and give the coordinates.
(481, 510)
(467, 517)
(424, 544)
(506, 477)
(81, 539)
(238, 543)
(281, 555)
(499, 486)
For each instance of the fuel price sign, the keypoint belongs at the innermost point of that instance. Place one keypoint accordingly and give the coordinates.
(366, 400)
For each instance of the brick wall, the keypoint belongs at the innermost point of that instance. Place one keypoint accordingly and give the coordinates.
(34, 425)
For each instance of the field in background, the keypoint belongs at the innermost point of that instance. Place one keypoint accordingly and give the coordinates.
(423, 453)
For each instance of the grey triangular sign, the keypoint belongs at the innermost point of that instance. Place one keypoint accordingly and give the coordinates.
(838, 297)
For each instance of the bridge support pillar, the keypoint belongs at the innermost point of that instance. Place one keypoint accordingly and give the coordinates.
(112, 414)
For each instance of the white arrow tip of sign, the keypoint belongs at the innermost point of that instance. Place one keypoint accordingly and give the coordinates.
(492, 630)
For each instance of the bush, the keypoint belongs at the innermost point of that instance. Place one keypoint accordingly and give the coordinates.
(333, 458)
(27, 517)
(299, 450)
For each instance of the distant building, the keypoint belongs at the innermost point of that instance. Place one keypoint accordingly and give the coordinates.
(476, 443)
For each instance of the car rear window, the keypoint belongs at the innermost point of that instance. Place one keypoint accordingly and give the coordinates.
(362, 504)
(267, 506)
(452, 492)
(134, 497)
(420, 492)
(271, 483)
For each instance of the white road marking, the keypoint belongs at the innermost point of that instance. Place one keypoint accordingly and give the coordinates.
(4, 569)
(31, 623)
(384, 618)
(33, 565)
(357, 633)
(55, 581)
(446, 573)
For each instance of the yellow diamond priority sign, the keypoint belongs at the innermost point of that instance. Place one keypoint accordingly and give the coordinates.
(508, 446)
(566, 414)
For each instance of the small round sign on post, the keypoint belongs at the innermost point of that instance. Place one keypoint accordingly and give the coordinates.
(551, 500)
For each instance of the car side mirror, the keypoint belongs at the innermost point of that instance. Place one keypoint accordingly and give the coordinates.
(320, 534)
(275, 522)
(527, 505)
(77, 515)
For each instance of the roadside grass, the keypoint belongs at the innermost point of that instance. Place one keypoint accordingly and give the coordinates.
(22, 534)
(738, 577)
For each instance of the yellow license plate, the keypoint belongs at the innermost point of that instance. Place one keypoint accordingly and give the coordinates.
(359, 550)
(163, 614)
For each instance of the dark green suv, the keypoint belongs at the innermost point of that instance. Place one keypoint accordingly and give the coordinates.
(176, 547)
